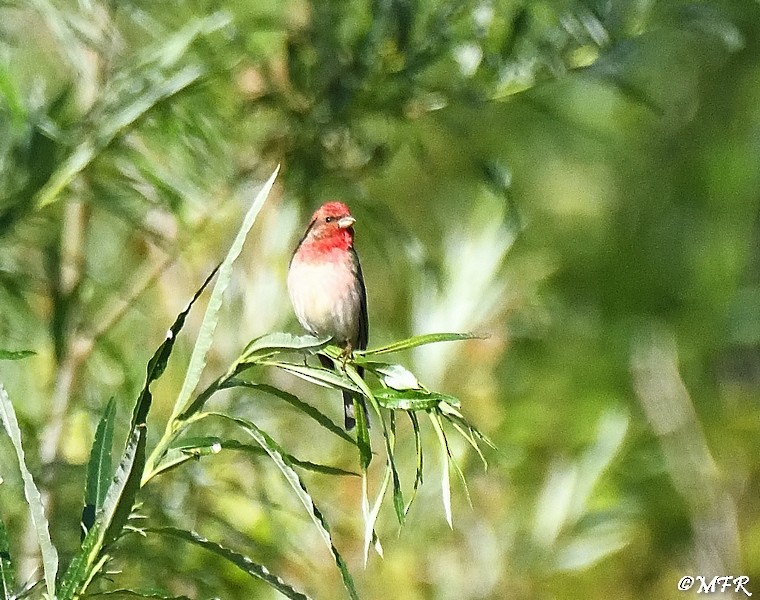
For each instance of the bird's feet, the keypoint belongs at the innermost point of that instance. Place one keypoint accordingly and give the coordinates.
(345, 355)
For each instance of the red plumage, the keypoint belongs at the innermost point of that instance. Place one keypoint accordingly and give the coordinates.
(326, 285)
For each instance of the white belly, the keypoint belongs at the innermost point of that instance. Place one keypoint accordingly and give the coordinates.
(325, 298)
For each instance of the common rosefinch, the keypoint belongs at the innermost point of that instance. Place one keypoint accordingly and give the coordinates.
(326, 286)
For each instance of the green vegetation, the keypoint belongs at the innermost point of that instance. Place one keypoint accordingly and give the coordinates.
(571, 186)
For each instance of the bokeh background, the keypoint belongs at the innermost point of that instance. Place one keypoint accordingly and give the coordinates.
(579, 180)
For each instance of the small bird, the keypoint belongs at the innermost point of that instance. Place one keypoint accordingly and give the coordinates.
(326, 287)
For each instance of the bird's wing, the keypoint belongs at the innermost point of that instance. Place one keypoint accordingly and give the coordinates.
(363, 337)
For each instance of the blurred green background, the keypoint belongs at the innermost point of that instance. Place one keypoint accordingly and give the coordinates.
(578, 180)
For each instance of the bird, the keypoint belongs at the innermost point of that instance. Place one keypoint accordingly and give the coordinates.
(326, 287)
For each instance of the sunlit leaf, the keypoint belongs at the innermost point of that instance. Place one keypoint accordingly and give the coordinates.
(412, 399)
(211, 316)
(32, 495)
(419, 340)
(324, 377)
(398, 377)
(274, 343)
(371, 513)
(445, 482)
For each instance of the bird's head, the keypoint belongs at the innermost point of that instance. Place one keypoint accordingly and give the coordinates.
(333, 216)
(331, 222)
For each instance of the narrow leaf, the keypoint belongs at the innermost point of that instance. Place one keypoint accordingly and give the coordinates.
(363, 440)
(470, 438)
(397, 377)
(387, 435)
(122, 491)
(7, 575)
(99, 467)
(451, 413)
(190, 449)
(324, 377)
(445, 481)
(418, 451)
(398, 498)
(239, 560)
(125, 593)
(452, 460)
(211, 316)
(274, 343)
(303, 464)
(32, 494)
(371, 515)
(412, 399)
(296, 402)
(419, 340)
(16, 354)
(291, 476)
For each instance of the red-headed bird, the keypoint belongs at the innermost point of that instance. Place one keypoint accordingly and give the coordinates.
(326, 286)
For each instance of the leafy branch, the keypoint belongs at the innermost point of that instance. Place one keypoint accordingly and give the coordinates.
(110, 497)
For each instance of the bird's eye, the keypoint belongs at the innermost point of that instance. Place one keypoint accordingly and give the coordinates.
(329, 219)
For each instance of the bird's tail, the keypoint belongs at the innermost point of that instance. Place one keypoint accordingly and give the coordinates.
(348, 397)
(348, 406)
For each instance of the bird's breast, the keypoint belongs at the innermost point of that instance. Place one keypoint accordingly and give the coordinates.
(325, 296)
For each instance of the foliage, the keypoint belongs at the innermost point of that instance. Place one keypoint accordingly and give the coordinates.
(575, 180)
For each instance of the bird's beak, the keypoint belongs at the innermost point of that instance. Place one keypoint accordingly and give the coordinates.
(346, 222)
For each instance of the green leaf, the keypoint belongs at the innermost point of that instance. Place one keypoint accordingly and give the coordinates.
(419, 340)
(362, 436)
(99, 467)
(371, 514)
(119, 500)
(7, 575)
(435, 419)
(451, 414)
(398, 498)
(280, 459)
(239, 560)
(277, 342)
(324, 377)
(125, 593)
(211, 316)
(412, 399)
(418, 452)
(303, 464)
(452, 461)
(396, 376)
(32, 494)
(387, 435)
(194, 448)
(16, 354)
(122, 492)
(188, 449)
(296, 402)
